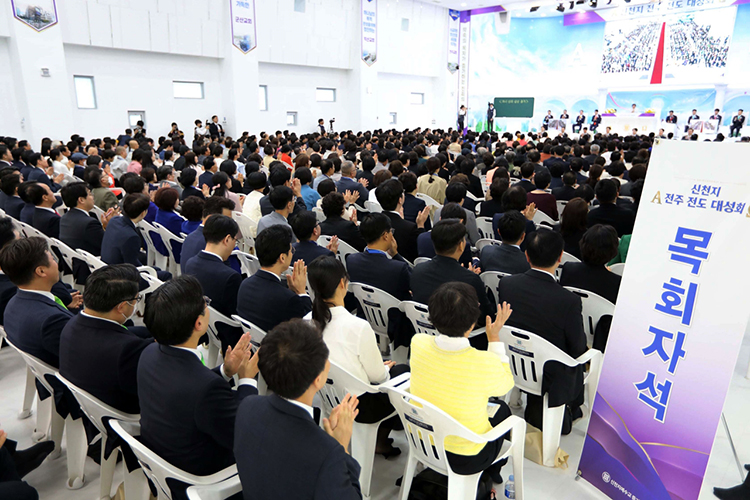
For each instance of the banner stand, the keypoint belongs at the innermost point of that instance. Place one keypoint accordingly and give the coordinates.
(734, 450)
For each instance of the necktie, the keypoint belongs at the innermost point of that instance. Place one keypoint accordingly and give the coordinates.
(60, 302)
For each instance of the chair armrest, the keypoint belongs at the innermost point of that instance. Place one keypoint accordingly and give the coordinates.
(509, 424)
(590, 355)
(148, 269)
(222, 475)
(478, 331)
(396, 381)
(224, 489)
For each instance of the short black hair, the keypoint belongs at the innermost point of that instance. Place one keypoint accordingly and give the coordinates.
(389, 193)
(187, 177)
(291, 357)
(453, 211)
(7, 231)
(279, 176)
(271, 243)
(21, 257)
(9, 183)
(173, 308)
(192, 208)
(133, 183)
(569, 178)
(219, 227)
(454, 308)
(280, 197)
(109, 286)
(93, 176)
(542, 179)
(303, 225)
(326, 186)
(599, 244)
(511, 226)
(333, 204)
(256, 180)
(304, 175)
(135, 204)
(606, 191)
(216, 205)
(408, 181)
(447, 235)
(455, 192)
(544, 248)
(73, 192)
(514, 198)
(35, 193)
(527, 170)
(373, 226)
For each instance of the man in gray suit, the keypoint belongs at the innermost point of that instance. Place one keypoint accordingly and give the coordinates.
(282, 200)
(508, 257)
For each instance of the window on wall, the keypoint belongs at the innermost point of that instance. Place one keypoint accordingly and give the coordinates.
(85, 92)
(135, 116)
(299, 6)
(187, 90)
(325, 95)
(417, 98)
(394, 117)
(263, 98)
(404, 24)
(291, 118)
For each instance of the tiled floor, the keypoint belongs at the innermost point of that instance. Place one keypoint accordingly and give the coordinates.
(540, 482)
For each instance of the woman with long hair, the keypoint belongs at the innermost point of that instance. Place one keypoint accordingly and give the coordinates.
(574, 224)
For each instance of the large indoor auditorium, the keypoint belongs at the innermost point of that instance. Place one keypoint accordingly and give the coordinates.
(374, 250)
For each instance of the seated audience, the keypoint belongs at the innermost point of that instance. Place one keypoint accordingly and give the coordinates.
(42, 171)
(508, 257)
(608, 212)
(189, 181)
(167, 200)
(309, 195)
(97, 352)
(424, 241)
(431, 184)
(527, 174)
(223, 186)
(45, 219)
(294, 364)
(559, 322)
(188, 410)
(348, 182)
(456, 193)
(282, 200)
(475, 375)
(335, 225)
(133, 183)
(573, 225)
(104, 198)
(568, 190)
(493, 204)
(543, 200)
(353, 346)
(195, 242)
(256, 182)
(307, 230)
(192, 210)
(413, 206)
(15, 464)
(27, 211)
(13, 203)
(263, 299)
(515, 199)
(280, 176)
(391, 197)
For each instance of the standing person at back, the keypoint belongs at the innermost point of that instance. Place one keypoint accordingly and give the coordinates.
(542, 307)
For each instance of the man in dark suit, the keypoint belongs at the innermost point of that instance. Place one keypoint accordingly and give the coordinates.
(13, 203)
(44, 219)
(413, 206)
(209, 169)
(528, 170)
(608, 212)
(373, 267)
(280, 176)
(333, 205)
(195, 242)
(738, 121)
(348, 182)
(188, 410)
(557, 159)
(263, 299)
(508, 257)
(671, 118)
(307, 230)
(41, 172)
(567, 191)
(390, 195)
(97, 352)
(544, 308)
(449, 211)
(449, 238)
(596, 120)
(580, 120)
(294, 364)
(219, 281)
(215, 128)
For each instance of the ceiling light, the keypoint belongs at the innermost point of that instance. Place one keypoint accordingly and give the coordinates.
(593, 4)
(463, 4)
(560, 7)
(534, 9)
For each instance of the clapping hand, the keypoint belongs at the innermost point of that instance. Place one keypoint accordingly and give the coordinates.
(297, 281)
(422, 217)
(339, 424)
(364, 181)
(106, 217)
(474, 269)
(350, 197)
(206, 190)
(76, 300)
(296, 187)
(235, 357)
(493, 327)
(333, 245)
(530, 211)
(59, 178)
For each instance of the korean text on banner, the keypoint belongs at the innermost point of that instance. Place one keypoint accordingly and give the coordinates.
(463, 59)
(244, 34)
(369, 31)
(680, 318)
(453, 25)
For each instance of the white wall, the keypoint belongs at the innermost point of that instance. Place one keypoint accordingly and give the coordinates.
(395, 96)
(10, 116)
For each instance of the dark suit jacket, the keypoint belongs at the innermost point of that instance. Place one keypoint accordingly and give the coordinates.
(80, 230)
(27, 214)
(13, 207)
(308, 251)
(620, 218)
(122, 242)
(504, 258)
(46, 222)
(101, 358)
(346, 230)
(290, 441)
(543, 307)
(597, 279)
(8, 291)
(490, 207)
(206, 178)
(406, 234)
(221, 284)
(187, 410)
(194, 243)
(265, 301)
(564, 193)
(527, 185)
(412, 207)
(39, 175)
(426, 248)
(347, 183)
(34, 324)
(192, 191)
(530, 228)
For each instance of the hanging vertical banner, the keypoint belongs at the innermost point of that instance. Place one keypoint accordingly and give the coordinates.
(244, 34)
(39, 14)
(453, 22)
(463, 60)
(369, 31)
(679, 322)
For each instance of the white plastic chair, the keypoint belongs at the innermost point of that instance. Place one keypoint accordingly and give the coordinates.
(214, 344)
(99, 413)
(168, 238)
(248, 228)
(249, 264)
(364, 436)
(485, 241)
(343, 250)
(154, 257)
(427, 426)
(429, 200)
(30, 231)
(419, 315)
(256, 332)
(373, 206)
(92, 261)
(491, 280)
(218, 491)
(594, 307)
(484, 226)
(421, 260)
(472, 197)
(528, 354)
(159, 470)
(68, 255)
(53, 424)
(566, 257)
(319, 214)
(561, 206)
(153, 283)
(29, 390)
(98, 212)
(375, 303)
(540, 218)
(618, 268)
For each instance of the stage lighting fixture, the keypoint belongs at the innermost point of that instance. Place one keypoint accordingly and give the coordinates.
(593, 4)
(534, 9)
(561, 8)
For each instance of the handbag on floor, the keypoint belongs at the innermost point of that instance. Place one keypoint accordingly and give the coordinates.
(431, 485)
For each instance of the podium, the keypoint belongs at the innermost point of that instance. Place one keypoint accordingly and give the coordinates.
(624, 124)
(559, 125)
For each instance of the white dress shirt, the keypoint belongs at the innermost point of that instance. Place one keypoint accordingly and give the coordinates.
(352, 345)
(49, 295)
(447, 343)
(308, 409)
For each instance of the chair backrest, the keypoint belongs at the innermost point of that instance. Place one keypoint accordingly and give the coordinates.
(618, 269)
(528, 353)
(319, 214)
(339, 383)
(68, 254)
(419, 316)
(249, 264)
(429, 200)
(491, 280)
(38, 367)
(153, 283)
(92, 261)
(484, 226)
(146, 231)
(343, 250)
(99, 413)
(171, 241)
(627, 198)
(566, 257)
(216, 318)
(542, 218)
(486, 241)
(97, 211)
(594, 307)
(256, 332)
(472, 197)
(30, 231)
(248, 229)
(373, 206)
(420, 260)
(561, 206)
(375, 303)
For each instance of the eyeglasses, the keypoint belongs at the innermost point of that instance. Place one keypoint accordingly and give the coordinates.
(293, 250)
(137, 298)
(208, 300)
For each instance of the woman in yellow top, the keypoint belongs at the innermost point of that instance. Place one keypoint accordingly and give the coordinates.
(459, 379)
(431, 184)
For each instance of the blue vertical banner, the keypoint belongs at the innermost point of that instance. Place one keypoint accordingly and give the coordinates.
(244, 34)
(369, 31)
(453, 25)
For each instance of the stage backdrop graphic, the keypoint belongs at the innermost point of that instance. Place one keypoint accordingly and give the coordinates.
(680, 318)
(682, 102)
